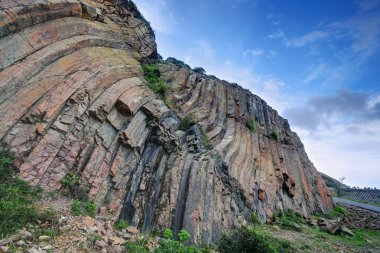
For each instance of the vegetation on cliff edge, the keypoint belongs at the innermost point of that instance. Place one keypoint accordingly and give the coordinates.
(155, 82)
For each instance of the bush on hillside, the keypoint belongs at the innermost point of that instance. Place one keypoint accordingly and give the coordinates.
(251, 125)
(199, 70)
(72, 187)
(17, 199)
(155, 82)
(338, 211)
(186, 123)
(251, 239)
(274, 135)
(290, 220)
(167, 244)
(121, 224)
(177, 62)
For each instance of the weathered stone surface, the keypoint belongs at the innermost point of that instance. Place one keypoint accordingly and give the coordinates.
(73, 99)
(347, 231)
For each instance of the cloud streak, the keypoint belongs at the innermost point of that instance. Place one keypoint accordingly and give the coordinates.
(300, 41)
(352, 42)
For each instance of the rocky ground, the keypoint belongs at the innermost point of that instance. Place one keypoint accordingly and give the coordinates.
(357, 232)
(361, 218)
(70, 233)
(86, 234)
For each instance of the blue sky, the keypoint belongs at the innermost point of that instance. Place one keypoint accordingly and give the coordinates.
(316, 62)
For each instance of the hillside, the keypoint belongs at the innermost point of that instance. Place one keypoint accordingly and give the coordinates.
(85, 99)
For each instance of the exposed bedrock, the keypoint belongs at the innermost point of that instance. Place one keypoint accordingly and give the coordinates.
(73, 98)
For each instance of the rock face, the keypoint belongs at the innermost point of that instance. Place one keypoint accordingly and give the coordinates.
(73, 99)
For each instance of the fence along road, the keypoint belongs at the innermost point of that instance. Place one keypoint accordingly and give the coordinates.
(353, 203)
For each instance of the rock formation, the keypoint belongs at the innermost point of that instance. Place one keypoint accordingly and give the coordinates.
(73, 98)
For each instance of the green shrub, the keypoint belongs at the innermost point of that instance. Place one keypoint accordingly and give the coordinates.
(76, 208)
(72, 188)
(290, 220)
(90, 208)
(155, 82)
(274, 135)
(79, 208)
(139, 246)
(172, 246)
(70, 180)
(183, 236)
(177, 62)
(186, 123)
(51, 232)
(151, 72)
(251, 125)
(168, 245)
(168, 234)
(206, 142)
(95, 238)
(136, 248)
(338, 211)
(17, 198)
(255, 219)
(250, 240)
(121, 224)
(199, 70)
(341, 210)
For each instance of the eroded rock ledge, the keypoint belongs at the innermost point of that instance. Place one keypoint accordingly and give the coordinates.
(73, 99)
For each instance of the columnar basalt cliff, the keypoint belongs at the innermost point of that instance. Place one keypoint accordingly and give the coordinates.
(73, 98)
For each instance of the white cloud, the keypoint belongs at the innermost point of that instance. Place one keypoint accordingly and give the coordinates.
(257, 52)
(279, 34)
(346, 150)
(300, 41)
(315, 73)
(373, 101)
(273, 84)
(158, 14)
(254, 52)
(340, 133)
(306, 39)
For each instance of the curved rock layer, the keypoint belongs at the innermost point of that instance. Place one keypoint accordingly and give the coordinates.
(73, 99)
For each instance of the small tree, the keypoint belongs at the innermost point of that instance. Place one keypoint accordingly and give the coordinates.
(340, 188)
(183, 236)
(199, 70)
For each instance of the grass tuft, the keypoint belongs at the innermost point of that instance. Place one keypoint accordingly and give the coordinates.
(252, 239)
(155, 82)
(121, 224)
